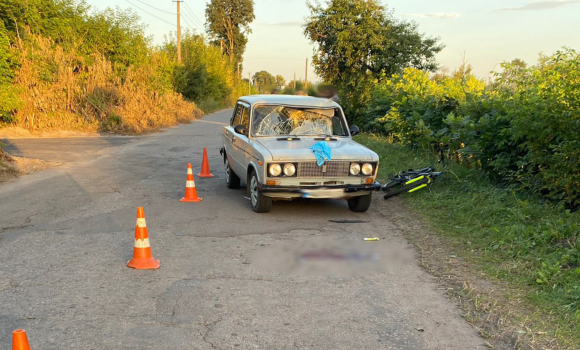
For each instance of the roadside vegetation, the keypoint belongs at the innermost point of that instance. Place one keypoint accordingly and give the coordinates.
(510, 205)
(508, 235)
(65, 65)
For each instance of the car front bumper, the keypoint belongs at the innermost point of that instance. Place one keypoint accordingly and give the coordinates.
(334, 191)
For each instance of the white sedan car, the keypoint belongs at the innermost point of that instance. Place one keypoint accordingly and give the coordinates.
(268, 144)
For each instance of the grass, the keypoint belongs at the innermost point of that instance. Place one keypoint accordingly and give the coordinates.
(514, 239)
(61, 90)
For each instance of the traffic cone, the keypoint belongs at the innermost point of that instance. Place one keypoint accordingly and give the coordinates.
(20, 340)
(205, 172)
(142, 258)
(190, 191)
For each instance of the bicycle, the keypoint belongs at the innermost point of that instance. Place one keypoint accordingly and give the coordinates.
(410, 181)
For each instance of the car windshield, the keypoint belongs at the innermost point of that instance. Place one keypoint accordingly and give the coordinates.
(296, 121)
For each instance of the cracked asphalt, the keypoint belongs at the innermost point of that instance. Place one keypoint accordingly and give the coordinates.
(299, 277)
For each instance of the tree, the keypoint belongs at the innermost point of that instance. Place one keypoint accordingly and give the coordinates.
(228, 24)
(266, 82)
(358, 42)
(280, 81)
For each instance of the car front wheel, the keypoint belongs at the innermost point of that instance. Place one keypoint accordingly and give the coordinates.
(360, 204)
(232, 180)
(260, 203)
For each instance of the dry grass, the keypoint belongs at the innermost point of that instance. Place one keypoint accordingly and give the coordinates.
(61, 90)
(12, 167)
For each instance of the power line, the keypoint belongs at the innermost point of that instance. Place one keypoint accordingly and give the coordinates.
(190, 11)
(186, 22)
(149, 13)
(158, 9)
(185, 18)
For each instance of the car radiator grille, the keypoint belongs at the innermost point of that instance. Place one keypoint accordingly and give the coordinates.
(328, 169)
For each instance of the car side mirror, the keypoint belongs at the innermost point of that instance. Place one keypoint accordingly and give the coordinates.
(354, 130)
(240, 129)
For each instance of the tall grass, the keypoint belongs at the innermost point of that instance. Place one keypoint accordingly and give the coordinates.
(62, 90)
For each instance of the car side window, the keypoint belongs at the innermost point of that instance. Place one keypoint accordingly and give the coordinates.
(245, 117)
(237, 115)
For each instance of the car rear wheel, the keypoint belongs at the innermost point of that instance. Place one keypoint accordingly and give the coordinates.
(260, 203)
(232, 180)
(360, 204)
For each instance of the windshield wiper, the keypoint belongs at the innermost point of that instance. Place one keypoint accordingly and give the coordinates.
(325, 138)
(289, 138)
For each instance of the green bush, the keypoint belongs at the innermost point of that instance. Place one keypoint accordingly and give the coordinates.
(205, 76)
(523, 128)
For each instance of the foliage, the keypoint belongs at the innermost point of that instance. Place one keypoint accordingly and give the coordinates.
(506, 234)
(116, 33)
(522, 128)
(204, 75)
(9, 98)
(358, 41)
(62, 90)
(228, 23)
(542, 109)
(291, 90)
(280, 81)
(265, 82)
(65, 65)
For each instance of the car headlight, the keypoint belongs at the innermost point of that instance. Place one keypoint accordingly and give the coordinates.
(354, 168)
(289, 169)
(367, 169)
(275, 169)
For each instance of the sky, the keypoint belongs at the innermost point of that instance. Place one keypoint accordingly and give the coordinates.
(483, 32)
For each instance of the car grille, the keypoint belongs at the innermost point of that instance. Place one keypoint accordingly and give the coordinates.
(328, 169)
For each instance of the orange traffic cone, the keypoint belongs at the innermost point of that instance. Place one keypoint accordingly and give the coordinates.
(190, 191)
(142, 258)
(20, 340)
(205, 172)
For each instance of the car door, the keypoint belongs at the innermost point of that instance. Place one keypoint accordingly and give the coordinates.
(228, 134)
(239, 142)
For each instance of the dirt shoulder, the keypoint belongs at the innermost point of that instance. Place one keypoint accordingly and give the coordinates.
(12, 167)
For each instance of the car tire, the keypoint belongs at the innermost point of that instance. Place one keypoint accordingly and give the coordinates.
(232, 180)
(260, 203)
(360, 204)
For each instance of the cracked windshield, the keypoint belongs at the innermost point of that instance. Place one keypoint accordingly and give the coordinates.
(290, 121)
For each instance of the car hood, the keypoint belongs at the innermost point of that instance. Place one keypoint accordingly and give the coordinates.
(298, 150)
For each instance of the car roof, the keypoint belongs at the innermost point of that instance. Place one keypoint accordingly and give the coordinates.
(290, 100)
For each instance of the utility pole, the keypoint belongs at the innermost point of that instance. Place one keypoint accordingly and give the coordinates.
(249, 83)
(306, 75)
(294, 81)
(178, 29)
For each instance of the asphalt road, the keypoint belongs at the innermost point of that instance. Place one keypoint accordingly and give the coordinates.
(299, 277)
(62, 149)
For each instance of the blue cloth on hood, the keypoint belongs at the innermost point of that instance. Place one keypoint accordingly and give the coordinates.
(321, 151)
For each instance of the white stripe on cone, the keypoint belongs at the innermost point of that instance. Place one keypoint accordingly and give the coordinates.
(189, 184)
(141, 222)
(189, 171)
(142, 243)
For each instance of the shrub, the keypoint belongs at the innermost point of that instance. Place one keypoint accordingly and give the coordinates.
(523, 128)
